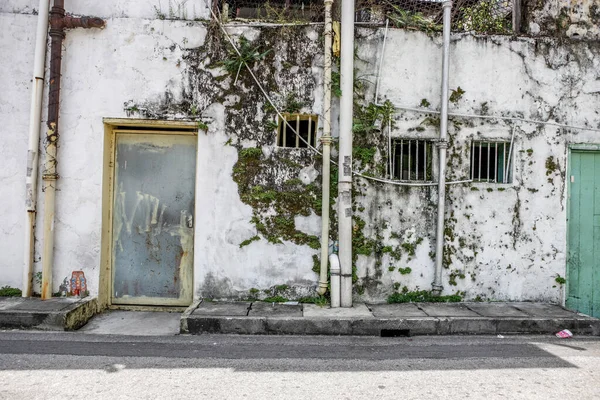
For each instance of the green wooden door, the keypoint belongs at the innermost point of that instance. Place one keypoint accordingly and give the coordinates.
(583, 259)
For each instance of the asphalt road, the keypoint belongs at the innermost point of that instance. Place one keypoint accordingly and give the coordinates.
(37, 365)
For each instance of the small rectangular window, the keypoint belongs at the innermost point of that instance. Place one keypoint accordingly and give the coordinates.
(304, 125)
(490, 162)
(411, 160)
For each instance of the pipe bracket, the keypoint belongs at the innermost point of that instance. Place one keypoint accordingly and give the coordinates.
(442, 144)
(326, 140)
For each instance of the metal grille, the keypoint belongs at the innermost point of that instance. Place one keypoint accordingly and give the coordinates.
(305, 125)
(483, 16)
(490, 162)
(411, 160)
(273, 10)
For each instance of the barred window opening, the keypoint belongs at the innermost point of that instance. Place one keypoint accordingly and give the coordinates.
(411, 160)
(304, 125)
(490, 162)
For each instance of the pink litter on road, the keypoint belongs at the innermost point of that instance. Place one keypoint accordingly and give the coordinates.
(565, 334)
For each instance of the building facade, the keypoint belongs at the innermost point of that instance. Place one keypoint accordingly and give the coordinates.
(179, 179)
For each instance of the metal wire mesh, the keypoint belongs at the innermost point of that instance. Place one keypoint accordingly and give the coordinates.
(482, 16)
(273, 10)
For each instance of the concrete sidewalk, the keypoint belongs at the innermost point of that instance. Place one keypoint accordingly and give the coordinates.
(54, 314)
(385, 319)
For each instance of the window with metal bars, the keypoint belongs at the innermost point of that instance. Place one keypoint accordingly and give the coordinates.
(490, 162)
(304, 125)
(411, 159)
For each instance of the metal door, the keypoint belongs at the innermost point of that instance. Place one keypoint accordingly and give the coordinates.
(153, 218)
(583, 260)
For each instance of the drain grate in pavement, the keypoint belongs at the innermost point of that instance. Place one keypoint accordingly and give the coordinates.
(395, 333)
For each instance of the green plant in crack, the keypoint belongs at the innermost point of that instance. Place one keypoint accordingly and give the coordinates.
(407, 19)
(202, 126)
(560, 280)
(364, 155)
(336, 84)
(456, 95)
(371, 118)
(275, 299)
(292, 104)
(422, 296)
(7, 291)
(248, 55)
(320, 301)
(271, 125)
(484, 17)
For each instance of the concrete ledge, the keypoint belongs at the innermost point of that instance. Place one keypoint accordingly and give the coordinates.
(387, 319)
(198, 325)
(55, 314)
(79, 313)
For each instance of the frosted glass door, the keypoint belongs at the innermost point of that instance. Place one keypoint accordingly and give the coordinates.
(153, 219)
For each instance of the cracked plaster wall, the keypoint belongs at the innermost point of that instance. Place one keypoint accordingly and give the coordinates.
(141, 60)
(509, 244)
(148, 9)
(504, 242)
(562, 18)
(15, 77)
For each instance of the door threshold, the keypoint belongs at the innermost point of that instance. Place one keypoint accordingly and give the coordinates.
(128, 307)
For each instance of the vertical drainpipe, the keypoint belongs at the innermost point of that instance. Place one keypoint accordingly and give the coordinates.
(35, 116)
(345, 152)
(326, 141)
(50, 176)
(58, 23)
(442, 144)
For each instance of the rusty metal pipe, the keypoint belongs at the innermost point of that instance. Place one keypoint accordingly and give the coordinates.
(59, 21)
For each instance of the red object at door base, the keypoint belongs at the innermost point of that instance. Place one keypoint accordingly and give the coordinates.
(78, 283)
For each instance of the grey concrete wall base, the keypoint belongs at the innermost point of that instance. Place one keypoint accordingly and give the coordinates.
(386, 326)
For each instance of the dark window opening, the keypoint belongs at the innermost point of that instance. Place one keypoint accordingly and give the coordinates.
(490, 162)
(411, 160)
(307, 10)
(304, 125)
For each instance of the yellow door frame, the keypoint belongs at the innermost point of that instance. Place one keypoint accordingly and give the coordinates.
(111, 126)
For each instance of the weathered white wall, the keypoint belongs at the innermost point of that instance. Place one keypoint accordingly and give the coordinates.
(222, 268)
(148, 9)
(508, 241)
(103, 70)
(17, 38)
(131, 61)
(509, 244)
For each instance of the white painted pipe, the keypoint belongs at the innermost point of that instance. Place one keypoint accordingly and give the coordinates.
(387, 23)
(510, 150)
(35, 116)
(437, 286)
(345, 152)
(334, 262)
(326, 140)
